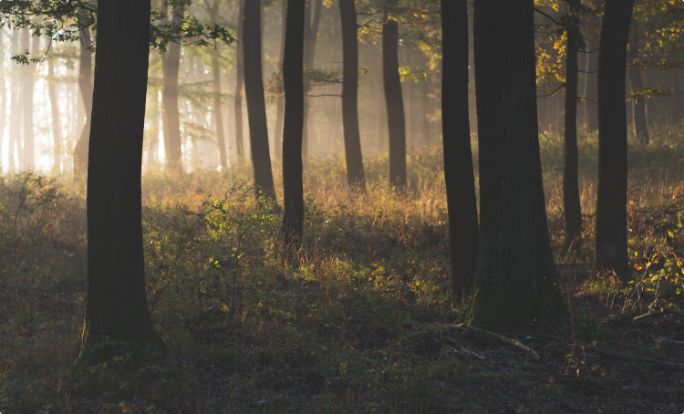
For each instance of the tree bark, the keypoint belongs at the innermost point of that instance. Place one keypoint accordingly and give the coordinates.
(239, 79)
(611, 206)
(350, 96)
(56, 120)
(256, 103)
(280, 99)
(117, 307)
(517, 279)
(85, 86)
(170, 71)
(293, 81)
(590, 85)
(458, 158)
(571, 196)
(394, 100)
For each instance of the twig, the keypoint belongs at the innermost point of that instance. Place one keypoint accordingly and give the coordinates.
(496, 337)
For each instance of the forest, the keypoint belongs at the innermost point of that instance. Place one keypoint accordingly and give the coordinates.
(341, 206)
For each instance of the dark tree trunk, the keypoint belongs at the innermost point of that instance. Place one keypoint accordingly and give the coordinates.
(256, 103)
(239, 79)
(458, 158)
(571, 196)
(636, 80)
(517, 279)
(293, 80)
(611, 206)
(117, 307)
(350, 96)
(56, 120)
(85, 86)
(394, 100)
(170, 71)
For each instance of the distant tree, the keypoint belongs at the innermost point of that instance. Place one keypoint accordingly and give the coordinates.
(170, 70)
(312, 20)
(213, 10)
(256, 102)
(571, 195)
(293, 81)
(636, 81)
(30, 44)
(393, 97)
(611, 206)
(280, 99)
(517, 283)
(350, 95)
(117, 307)
(56, 119)
(239, 82)
(85, 87)
(458, 159)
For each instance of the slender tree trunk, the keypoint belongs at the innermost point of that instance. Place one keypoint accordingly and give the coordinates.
(350, 96)
(85, 86)
(117, 307)
(394, 100)
(425, 111)
(256, 103)
(14, 138)
(56, 120)
(640, 123)
(218, 109)
(611, 206)
(170, 70)
(239, 79)
(280, 99)
(590, 85)
(312, 23)
(293, 80)
(571, 195)
(28, 145)
(517, 279)
(458, 159)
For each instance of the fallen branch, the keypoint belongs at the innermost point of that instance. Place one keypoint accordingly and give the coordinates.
(658, 313)
(497, 338)
(459, 349)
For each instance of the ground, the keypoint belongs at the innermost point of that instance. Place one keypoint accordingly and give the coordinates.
(365, 325)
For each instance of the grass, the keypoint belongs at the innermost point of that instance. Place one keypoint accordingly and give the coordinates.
(361, 326)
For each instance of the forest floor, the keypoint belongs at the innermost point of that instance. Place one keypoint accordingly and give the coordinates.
(365, 325)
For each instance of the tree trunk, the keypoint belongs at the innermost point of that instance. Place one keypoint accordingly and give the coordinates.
(218, 109)
(571, 195)
(28, 144)
(611, 206)
(239, 79)
(394, 101)
(517, 279)
(117, 307)
(14, 139)
(636, 80)
(85, 86)
(350, 96)
(458, 159)
(293, 81)
(590, 85)
(56, 120)
(170, 71)
(3, 95)
(280, 99)
(256, 103)
(312, 20)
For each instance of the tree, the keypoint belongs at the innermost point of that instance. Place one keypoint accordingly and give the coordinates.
(213, 10)
(85, 87)
(239, 79)
(636, 81)
(56, 120)
(293, 82)
(117, 307)
(28, 145)
(350, 95)
(393, 98)
(312, 20)
(611, 205)
(280, 100)
(171, 69)
(571, 196)
(516, 281)
(256, 103)
(458, 159)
